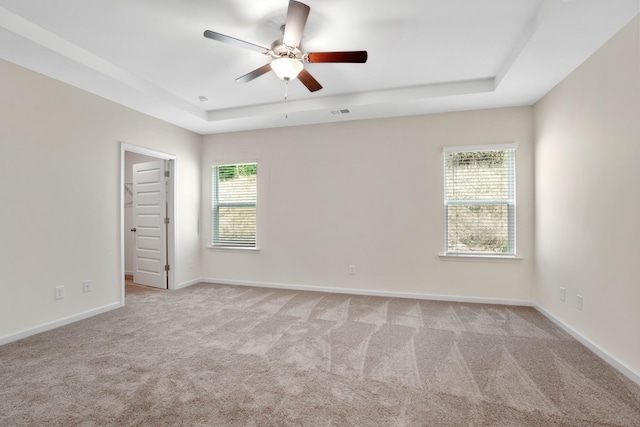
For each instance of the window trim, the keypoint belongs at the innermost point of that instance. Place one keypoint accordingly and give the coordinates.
(511, 203)
(211, 246)
(480, 258)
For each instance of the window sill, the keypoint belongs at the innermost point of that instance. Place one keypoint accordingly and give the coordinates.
(480, 258)
(233, 249)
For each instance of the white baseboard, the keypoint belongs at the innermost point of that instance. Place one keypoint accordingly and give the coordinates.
(57, 323)
(599, 351)
(189, 283)
(371, 292)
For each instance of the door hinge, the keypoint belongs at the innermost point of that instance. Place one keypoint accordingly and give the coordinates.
(166, 267)
(166, 220)
(166, 174)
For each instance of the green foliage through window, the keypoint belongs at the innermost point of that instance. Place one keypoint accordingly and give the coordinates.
(234, 196)
(482, 159)
(480, 202)
(234, 171)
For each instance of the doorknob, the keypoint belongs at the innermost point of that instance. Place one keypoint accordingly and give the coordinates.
(133, 229)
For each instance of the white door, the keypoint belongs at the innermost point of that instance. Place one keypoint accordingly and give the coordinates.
(149, 213)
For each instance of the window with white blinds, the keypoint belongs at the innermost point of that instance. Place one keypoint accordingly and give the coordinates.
(234, 199)
(480, 200)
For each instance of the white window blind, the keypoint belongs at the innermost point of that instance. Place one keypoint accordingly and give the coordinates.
(479, 201)
(234, 205)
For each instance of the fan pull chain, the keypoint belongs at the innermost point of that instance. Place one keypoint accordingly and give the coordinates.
(286, 97)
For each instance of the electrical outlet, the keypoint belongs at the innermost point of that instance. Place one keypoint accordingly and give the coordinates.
(352, 269)
(58, 292)
(563, 293)
(86, 286)
(579, 302)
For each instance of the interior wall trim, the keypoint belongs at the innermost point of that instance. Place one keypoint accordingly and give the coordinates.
(58, 323)
(189, 283)
(370, 292)
(626, 370)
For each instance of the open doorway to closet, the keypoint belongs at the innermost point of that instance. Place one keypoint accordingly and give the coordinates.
(147, 226)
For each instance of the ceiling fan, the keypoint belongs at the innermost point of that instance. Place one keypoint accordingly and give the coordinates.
(287, 53)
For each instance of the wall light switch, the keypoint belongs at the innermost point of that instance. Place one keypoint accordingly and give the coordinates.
(579, 302)
(563, 293)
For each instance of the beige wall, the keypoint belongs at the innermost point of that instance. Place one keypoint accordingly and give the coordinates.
(587, 180)
(60, 192)
(369, 194)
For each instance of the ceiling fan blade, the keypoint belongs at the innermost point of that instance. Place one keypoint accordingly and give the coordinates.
(254, 74)
(294, 26)
(236, 42)
(359, 56)
(308, 80)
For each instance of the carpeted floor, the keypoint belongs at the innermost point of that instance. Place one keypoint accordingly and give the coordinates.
(215, 355)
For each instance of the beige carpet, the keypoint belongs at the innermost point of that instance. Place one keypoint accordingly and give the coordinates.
(214, 355)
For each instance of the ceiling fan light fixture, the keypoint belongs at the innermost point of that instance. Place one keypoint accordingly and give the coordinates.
(287, 53)
(286, 68)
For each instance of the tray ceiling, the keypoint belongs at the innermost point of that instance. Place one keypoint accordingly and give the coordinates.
(425, 56)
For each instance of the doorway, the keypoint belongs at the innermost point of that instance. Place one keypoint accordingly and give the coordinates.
(129, 249)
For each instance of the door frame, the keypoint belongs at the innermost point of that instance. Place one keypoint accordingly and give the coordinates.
(171, 229)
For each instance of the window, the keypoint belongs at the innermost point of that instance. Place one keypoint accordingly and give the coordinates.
(479, 200)
(234, 192)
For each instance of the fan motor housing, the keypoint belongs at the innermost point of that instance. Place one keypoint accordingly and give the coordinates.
(279, 50)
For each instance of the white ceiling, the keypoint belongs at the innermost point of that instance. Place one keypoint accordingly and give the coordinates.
(425, 56)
